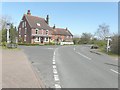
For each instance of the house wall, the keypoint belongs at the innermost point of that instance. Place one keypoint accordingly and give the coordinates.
(22, 32)
(63, 37)
(41, 31)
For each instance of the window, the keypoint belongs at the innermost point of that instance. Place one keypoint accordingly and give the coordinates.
(38, 24)
(36, 31)
(23, 25)
(38, 39)
(46, 38)
(46, 32)
(19, 30)
(24, 37)
(25, 30)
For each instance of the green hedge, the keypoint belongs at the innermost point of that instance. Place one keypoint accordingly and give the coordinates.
(28, 44)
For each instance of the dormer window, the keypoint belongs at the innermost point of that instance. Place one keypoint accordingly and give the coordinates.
(38, 24)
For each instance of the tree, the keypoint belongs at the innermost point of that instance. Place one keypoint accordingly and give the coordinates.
(86, 38)
(13, 31)
(102, 31)
(115, 46)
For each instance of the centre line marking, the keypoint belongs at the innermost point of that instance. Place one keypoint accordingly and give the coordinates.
(54, 66)
(56, 77)
(115, 71)
(83, 55)
(57, 86)
(54, 71)
(53, 62)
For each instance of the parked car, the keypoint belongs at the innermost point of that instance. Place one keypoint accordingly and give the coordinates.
(94, 47)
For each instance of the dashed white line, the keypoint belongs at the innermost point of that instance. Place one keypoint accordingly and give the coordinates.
(53, 62)
(57, 86)
(56, 77)
(54, 66)
(55, 71)
(83, 55)
(115, 71)
(74, 48)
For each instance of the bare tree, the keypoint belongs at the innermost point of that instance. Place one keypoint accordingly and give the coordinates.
(102, 31)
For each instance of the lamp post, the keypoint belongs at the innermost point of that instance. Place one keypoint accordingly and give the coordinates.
(8, 30)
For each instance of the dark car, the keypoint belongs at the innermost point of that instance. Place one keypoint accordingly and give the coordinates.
(94, 47)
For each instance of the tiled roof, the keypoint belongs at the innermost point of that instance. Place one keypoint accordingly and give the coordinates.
(34, 20)
(61, 31)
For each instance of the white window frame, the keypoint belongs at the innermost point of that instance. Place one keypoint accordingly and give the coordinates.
(22, 24)
(25, 23)
(46, 39)
(36, 30)
(19, 30)
(47, 32)
(25, 31)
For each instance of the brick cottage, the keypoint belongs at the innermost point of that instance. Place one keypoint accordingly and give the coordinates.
(34, 29)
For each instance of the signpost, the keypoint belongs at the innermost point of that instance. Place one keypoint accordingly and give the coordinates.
(8, 32)
(108, 38)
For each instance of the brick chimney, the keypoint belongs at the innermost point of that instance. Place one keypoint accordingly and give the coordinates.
(54, 26)
(47, 19)
(28, 13)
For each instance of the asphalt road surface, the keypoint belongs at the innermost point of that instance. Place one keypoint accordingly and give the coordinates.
(73, 66)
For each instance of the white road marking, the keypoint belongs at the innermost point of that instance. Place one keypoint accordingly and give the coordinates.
(74, 48)
(83, 55)
(55, 71)
(56, 77)
(115, 71)
(54, 66)
(49, 48)
(53, 62)
(57, 86)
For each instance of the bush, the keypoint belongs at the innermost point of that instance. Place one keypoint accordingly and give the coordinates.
(28, 44)
(4, 44)
(100, 43)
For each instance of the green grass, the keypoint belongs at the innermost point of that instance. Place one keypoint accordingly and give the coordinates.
(101, 49)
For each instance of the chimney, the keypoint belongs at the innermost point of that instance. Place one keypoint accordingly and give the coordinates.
(54, 26)
(28, 13)
(66, 28)
(47, 19)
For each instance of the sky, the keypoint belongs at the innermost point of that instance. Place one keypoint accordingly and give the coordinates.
(78, 17)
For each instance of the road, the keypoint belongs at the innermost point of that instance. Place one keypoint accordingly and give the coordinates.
(73, 66)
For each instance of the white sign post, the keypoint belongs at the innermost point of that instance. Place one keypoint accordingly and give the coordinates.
(8, 30)
(108, 43)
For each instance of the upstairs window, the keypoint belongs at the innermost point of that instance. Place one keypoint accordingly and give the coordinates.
(25, 23)
(36, 31)
(22, 24)
(25, 30)
(19, 30)
(46, 32)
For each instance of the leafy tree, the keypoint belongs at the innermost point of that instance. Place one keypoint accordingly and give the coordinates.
(115, 46)
(86, 38)
(102, 31)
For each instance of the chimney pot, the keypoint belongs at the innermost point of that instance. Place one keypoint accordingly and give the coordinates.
(28, 13)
